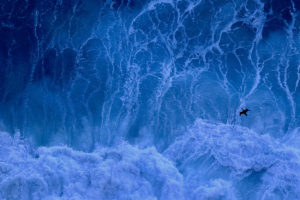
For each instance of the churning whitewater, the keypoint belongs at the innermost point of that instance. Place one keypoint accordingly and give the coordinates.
(141, 99)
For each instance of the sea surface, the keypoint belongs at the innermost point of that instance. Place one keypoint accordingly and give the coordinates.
(141, 99)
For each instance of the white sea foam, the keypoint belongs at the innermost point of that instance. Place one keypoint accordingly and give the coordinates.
(233, 162)
(125, 172)
(210, 161)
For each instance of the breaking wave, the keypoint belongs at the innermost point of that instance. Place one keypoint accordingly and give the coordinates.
(209, 161)
(127, 99)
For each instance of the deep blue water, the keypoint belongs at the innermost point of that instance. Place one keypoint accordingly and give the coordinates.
(140, 99)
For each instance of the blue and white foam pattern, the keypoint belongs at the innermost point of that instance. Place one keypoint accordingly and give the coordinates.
(209, 161)
(128, 99)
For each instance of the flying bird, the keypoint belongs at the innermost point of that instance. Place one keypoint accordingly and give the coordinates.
(244, 111)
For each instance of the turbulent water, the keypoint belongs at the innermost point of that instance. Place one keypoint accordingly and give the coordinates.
(140, 99)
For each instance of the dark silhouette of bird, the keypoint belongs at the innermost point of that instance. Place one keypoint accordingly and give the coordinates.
(244, 111)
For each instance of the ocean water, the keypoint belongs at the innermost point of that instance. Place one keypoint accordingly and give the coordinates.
(140, 99)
